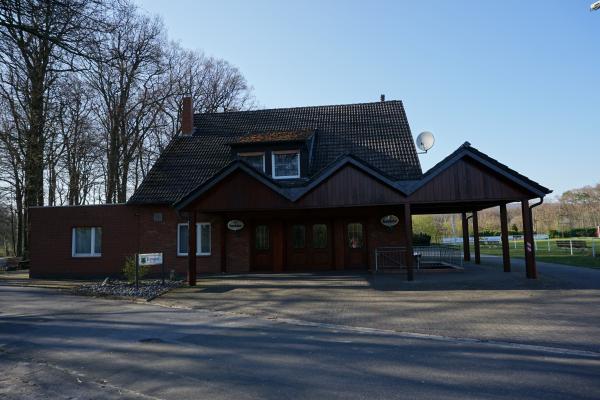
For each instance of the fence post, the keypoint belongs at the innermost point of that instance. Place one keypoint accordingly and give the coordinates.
(571, 245)
(548, 244)
(535, 244)
(593, 247)
(376, 260)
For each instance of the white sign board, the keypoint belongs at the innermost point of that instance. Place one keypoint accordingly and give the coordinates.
(390, 220)
(150, 259)
(235, 225)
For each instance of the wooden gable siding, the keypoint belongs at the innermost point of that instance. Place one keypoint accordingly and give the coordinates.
(239, 191)
(346, 188)
(468, 180)
(350, 187)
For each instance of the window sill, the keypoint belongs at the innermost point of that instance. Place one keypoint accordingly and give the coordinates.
(86, 255)
(197, 255)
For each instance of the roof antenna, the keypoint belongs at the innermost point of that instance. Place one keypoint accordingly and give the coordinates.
(382, 98)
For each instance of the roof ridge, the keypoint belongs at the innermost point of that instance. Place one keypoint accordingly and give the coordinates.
(301, 107)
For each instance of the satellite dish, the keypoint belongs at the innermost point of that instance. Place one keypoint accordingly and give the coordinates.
(425, 141)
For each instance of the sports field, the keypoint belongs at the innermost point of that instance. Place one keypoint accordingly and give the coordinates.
(549, 251)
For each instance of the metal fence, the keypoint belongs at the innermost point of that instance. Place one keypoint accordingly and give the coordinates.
(390, 258)
(583, 246)
(438, 255)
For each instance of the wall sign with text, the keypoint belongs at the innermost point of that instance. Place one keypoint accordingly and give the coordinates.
(390, 220)
(150, 259)
(235, 225)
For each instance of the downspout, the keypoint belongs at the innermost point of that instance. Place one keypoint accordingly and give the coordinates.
(531, 207)
(539, 203)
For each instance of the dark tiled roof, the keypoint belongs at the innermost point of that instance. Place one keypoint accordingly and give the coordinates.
(187, 162)
(377, 133)
(274, 137)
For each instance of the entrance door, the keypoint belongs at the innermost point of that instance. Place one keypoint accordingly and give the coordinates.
(262, 247)
(356, 254)
(309, 246)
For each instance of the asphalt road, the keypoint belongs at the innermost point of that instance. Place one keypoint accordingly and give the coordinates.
(60, 346)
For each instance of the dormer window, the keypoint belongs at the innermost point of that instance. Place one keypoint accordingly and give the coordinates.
(285, 164)
(255, 159)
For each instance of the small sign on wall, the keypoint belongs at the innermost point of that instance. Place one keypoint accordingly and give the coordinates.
(235, 225)
(150, 259)
(390, 220)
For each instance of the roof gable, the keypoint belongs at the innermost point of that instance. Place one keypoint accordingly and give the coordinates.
(352, 172)
(466, 151)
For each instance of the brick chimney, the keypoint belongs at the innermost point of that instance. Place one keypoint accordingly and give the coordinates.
(187, 117)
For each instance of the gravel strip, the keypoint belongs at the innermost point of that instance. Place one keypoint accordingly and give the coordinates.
(148, 289)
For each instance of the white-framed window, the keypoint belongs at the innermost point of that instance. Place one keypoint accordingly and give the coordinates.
(285, 164)
(202, 239)
(86, 242)
(255, 159)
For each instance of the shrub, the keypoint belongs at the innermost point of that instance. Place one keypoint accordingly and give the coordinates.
(421, 239)
(129, 269)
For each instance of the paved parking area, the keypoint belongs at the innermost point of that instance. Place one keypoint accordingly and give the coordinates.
(59, 346)
(561, 309)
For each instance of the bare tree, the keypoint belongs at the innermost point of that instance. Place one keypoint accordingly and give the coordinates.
(81, 147)
(12, 177)
(39, 39)
(129, 90)
(91, 94)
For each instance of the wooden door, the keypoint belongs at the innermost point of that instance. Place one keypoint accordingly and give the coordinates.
(309, 246)
(262, 247)
(321, 246)
(297, 252)
(355, 237)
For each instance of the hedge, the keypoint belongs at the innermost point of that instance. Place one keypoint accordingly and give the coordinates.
(421, 239)
(577, 232)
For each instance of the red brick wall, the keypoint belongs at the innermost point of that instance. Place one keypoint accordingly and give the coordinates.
(51, 235)
(238, 250)
(379, 235)
(129, 229)
(161, 237)
(125, 231)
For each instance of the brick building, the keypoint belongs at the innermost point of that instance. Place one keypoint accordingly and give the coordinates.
(294, 189)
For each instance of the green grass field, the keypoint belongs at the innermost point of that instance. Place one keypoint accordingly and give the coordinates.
(548, 251)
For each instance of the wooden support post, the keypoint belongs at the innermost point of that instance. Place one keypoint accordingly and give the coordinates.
(339, 244)
(192, 249)
(476, 238)
(530, 267)
(278, 236)
(504, 235)
(223, 238)
(408, 240)
(466, 244)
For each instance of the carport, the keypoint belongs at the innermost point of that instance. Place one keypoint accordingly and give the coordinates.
(468, 181)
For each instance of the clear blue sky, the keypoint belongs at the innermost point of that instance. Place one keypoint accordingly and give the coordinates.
(518, 79)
